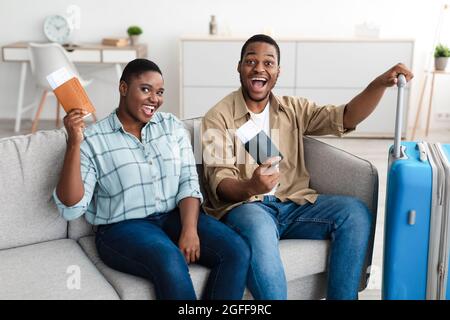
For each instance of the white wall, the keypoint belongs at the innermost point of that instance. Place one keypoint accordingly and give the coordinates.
(165, 21)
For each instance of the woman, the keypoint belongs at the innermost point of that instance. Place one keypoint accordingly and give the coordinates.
(138, 183)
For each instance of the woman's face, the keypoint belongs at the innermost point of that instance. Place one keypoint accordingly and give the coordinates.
(143, 95)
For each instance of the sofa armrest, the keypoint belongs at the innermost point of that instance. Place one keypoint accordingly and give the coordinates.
(334, 171)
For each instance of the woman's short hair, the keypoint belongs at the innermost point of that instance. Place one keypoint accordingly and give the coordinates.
(137, 67)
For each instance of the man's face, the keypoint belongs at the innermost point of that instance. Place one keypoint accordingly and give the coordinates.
(258, 70)
(143, 95)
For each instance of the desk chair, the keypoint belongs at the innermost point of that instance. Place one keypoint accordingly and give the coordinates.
(45, 59)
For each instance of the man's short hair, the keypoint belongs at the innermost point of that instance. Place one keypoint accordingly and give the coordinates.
(137, 67)
(261, 38)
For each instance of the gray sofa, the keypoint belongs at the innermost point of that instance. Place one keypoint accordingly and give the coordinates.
(42, 256)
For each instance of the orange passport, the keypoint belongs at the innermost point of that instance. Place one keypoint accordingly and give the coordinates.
(72, 95)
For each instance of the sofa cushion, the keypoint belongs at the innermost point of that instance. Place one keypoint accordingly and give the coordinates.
(30, 167)
(313, 287)
(193, 127)
(130, 287)
(301, 259)
(79, 228)
(50, 270)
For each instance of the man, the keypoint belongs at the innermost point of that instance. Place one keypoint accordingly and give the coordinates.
(264, 208)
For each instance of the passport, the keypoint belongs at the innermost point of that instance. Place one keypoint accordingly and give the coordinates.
(69, 91)
(257, 143)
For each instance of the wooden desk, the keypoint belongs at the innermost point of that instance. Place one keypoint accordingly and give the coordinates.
(85, 53)
(419, 109)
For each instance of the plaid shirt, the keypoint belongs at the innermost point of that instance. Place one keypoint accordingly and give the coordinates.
(125, 178)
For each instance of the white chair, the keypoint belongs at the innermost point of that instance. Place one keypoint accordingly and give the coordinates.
(44, 59)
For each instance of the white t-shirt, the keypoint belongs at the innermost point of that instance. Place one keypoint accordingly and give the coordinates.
(262, 121)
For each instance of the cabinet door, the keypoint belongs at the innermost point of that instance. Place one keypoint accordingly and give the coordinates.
(211, 63)
(214, 63)
(380, 123)
(287, 65)
(283, 91)
(347, 64)
(197, 101)
(209, 73)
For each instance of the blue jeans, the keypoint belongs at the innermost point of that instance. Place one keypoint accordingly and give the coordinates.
(148, 248)
(346, 221)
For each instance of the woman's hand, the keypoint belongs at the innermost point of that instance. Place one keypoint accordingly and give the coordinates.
(189, 244)
(70, 188)
(74, 124)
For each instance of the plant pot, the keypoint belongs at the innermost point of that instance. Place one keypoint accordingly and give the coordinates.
(440, 63)
(134, 40)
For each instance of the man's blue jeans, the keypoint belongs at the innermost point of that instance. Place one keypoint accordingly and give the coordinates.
(148, 248)
(346, 221)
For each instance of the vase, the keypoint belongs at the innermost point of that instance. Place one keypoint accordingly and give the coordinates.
(134, 40)
(440, 63)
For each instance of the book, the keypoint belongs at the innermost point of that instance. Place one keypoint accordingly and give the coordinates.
(117, 42)
(69, 91)
(258, 144)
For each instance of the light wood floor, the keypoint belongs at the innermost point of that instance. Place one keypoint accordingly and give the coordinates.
(374, 150)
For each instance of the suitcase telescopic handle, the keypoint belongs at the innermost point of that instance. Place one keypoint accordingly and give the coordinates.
(401, 82)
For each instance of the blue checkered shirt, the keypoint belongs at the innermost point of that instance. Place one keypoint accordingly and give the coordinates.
(125, 178)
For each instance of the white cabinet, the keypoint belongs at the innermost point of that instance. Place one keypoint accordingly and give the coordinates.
(198, 100)
(380, 123)
(326, 71)
(209, 73)
(347, 64)
(210, 64)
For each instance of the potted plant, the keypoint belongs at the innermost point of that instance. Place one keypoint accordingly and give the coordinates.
(441, 54)
(134, 32)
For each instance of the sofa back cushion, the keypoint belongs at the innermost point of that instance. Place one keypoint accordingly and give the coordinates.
(193, 126)
(29, 169)
(79, 228)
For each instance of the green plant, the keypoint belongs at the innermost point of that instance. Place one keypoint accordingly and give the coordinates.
(441, 51)
(134, 31)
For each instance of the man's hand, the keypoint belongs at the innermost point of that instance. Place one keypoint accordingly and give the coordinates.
(261, 182)
(389, 78)
(361, 106)
(189, 244)
(74, 124)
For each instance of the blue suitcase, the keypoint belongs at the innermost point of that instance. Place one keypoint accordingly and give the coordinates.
(417, 222)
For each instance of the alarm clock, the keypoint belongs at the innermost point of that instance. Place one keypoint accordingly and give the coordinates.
(57, 28)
